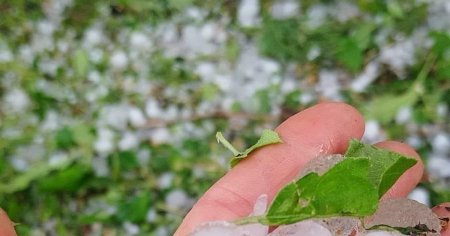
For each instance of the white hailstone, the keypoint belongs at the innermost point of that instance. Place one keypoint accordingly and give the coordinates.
(194, 13)
(160, 135)
(306, 97)
(63, 46)
(140, 41)
(373, 132)
(442, 110)
(143, 156)
(268, 66)
(93, 36)
(58, 158)
(26, 54)
(441, 143)
(438, 14)
(16, 100)
(218, 228)
(208, 31)
(115, 115)
(94, 76)
(151, 215)
(100, 166)
(345, 11)
(303, 228)
(438, 166)
(119, 60)
(153, 109)
(130, 228)
(5, 54)
(104, 143)
(204, 108)
(95, 55)
(288, 85)
(224, 82)
(128, 141)
(194, 44)
(421, 195)
(370, 73)
(178, 199)
(313, 53)
(161, 231)
(284, 9)
(403, 115)
(259, 209)
(206, 70)
(51, 122)
(414, 140)
(248, 13)
(19, 163)
(136, 117)
(398, 56)
(316, 16)
(198, 172)
(328, 85)
(165, 180)
(171, 113)
(45, 27)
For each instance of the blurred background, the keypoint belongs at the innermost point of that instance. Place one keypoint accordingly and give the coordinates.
(109, 108)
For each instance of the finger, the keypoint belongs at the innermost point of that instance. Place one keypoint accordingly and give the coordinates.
(6, 226)
(320, 130)
(443, 212)
(408, 181)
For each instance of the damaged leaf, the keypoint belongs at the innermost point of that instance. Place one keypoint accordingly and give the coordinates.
(404, 215)
(385, 166)
(337, 192)
(267, 137)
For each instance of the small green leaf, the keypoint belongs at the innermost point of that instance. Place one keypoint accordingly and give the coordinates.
(22, 181)
(349, 54)
(80, 62)
(267, 137)
(384, 108)
(385, 166)
(221, 139)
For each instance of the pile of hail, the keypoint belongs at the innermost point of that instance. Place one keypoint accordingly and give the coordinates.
(333, 195)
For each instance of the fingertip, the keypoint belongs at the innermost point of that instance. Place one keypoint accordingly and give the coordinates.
(408, 181)
(345, 121)
(443, 212)
(6, 226)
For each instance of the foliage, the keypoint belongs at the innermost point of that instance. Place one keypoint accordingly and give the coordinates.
(109, 108)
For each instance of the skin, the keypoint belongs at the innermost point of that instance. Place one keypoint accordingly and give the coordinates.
(320, 130)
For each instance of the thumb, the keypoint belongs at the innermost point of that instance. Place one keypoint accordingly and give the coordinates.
(443, 212)
(6, 226)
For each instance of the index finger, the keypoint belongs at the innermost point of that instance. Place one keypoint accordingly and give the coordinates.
(6, 226)
(320, 130)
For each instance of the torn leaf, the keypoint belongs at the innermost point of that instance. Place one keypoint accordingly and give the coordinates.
(267, 137)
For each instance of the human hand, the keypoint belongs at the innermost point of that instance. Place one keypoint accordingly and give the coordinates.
(320, 130)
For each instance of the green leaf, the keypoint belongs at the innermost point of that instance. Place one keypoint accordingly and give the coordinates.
(80, 62)
(385, 108)
(338, 192)
(135, 208)
(22, 181)
(349, 54)
(65, 180)
(267, 137)
(385, 166)
(64, 138)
